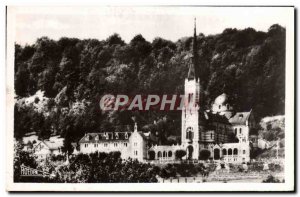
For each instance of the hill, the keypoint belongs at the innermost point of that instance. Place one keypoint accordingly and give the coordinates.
(250, 63)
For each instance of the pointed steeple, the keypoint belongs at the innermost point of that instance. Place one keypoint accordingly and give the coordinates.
(192, 74)
(195, 50)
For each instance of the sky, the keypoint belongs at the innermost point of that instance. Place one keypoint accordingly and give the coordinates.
(171, 23)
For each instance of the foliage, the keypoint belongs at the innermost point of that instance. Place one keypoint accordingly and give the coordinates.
(180, 153)
(204, 154)
(271, 179)
(251, 64)
(106, 168)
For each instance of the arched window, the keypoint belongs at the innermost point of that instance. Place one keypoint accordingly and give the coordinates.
(189, 133)
(235, 131)
(165, 154)
(230, 151)
(224, 151)
(159, 154)
(235, 151)
(170, 154)
(240, 130)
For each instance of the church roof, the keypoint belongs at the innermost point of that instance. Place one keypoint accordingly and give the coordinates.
(217, 118)
(240, 118)
(207, 117)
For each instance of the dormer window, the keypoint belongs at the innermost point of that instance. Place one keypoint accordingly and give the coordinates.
(117, 136)
(87, 137)
(97, 138)
(126, 135)
(241, 116)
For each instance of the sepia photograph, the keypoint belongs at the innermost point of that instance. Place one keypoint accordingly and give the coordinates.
(162, 98)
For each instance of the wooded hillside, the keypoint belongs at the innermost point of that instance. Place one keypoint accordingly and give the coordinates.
(70, 71)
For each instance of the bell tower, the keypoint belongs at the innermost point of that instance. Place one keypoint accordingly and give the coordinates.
(190, 111)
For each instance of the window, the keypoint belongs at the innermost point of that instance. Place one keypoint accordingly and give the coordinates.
(115, 144)
(86, 145)
(135, 152)
(125, 144)
(244, 151)
(224, 151)
(117, 136)
(230, 151)
(219, 106)
(211, 136)
(105, 145)
(170, 154)
(190, 97)
(126, 135)
(189, 133)
(159, 154)
(240, 130)
(235, 151)
(164, 154)
(235, 131)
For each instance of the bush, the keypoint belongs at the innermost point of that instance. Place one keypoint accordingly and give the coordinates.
(204, 154)
(271, 179)
(179, 154)
(151, 154)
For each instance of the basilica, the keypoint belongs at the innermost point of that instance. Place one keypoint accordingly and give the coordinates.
(228, 135)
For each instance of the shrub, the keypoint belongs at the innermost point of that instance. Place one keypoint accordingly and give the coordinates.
(151, 154)
(179, 154)
(204, 154)
(271, 179)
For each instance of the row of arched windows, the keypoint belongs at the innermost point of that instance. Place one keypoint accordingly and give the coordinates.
(235, 151)
(164, 154)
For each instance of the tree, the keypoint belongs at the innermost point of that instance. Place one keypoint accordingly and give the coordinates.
(180, 153)
(151, 154)
(204, 154)
(271, 179)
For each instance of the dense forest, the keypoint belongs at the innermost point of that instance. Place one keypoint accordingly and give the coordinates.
(248, 65)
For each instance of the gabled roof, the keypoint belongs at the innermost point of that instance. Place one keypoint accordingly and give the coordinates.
(216, 117)
(240, 118)
(51, 145)
(54, 145)
(116, 136)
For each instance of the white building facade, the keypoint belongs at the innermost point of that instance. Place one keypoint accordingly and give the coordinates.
(129, 144)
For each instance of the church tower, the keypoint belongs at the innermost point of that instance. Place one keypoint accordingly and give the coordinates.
(190, 111)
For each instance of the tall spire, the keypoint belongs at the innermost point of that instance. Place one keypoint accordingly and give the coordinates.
(192, 74)
(195, 50)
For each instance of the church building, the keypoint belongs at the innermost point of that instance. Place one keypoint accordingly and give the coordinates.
(221, 130)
